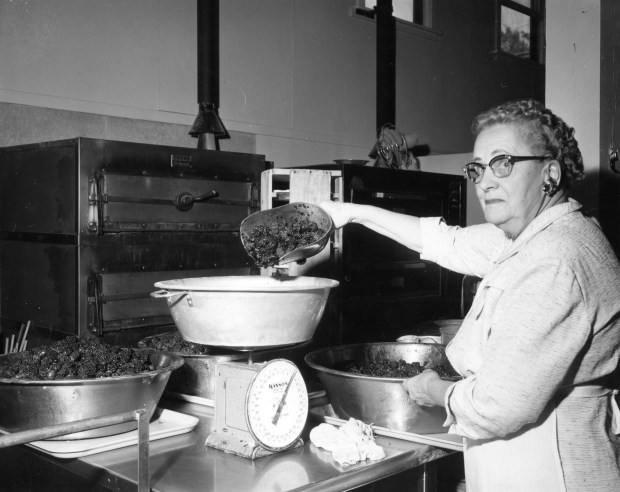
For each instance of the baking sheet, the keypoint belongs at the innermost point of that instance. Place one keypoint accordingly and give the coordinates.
(168, 424)
(325, 413)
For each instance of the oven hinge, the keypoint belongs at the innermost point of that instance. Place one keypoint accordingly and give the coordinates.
(95, 208)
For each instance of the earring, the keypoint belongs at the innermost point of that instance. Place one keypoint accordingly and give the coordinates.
(550, 187)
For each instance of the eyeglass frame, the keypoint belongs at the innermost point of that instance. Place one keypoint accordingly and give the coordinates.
(512, 159)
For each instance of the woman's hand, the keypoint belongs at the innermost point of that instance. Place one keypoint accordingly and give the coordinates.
(427, 388)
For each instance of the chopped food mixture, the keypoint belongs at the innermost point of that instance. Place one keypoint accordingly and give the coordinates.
(386, 368)
(351, 443)
(75, 358)
(174, 342)
(267, 243)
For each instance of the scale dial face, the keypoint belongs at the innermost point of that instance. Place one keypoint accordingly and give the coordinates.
(277, 405)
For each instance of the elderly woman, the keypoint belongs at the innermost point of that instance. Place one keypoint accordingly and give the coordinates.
(542, 338)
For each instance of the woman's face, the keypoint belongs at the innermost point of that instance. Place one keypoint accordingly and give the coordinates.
(511, 202)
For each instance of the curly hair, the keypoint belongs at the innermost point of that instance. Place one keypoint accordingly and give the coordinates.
(546, 131)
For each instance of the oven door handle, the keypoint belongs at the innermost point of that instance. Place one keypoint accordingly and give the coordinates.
(184, 201)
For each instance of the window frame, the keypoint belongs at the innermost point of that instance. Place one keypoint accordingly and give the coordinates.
(425, 30)
(536, 13)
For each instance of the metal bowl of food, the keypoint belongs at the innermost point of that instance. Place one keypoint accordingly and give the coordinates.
(380, 400)
(246, 312)
(197, 377)
(292, 232)
(32, 404)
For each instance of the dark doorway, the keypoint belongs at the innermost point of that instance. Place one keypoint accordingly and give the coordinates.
(609, 197)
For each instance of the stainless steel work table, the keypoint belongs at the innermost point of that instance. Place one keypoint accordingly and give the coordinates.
(183, 463)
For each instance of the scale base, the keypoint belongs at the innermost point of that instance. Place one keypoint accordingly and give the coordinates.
(246, 449)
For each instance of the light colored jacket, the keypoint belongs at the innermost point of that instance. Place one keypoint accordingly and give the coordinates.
(545, 318)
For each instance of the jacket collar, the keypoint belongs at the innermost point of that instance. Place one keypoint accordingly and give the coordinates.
(540, 222)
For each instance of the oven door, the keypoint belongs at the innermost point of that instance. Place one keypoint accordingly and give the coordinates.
(121, 203)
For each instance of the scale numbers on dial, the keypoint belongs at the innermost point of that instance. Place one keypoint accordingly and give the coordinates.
(277, 405)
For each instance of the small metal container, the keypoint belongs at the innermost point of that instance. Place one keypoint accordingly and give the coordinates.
(448, 329)
(30, 404)
(378, 400)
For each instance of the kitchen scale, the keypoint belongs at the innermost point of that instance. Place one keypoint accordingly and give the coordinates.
(260, 408)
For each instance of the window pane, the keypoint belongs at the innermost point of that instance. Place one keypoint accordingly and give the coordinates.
(402, 9)
(525, 3)
(515, 35)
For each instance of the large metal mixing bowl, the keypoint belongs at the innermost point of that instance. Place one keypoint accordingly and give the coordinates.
(197, 377)
(246, 312)
(378, 400)
(26, 405)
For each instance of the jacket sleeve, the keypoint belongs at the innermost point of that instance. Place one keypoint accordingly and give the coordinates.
(467, 250)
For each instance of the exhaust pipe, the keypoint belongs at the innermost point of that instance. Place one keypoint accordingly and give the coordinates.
(208, 127)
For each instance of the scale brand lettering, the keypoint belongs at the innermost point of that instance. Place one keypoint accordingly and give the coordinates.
(281, 384)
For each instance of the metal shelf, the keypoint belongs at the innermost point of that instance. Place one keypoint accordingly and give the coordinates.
(141, 415)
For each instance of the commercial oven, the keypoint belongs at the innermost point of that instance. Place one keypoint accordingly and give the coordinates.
(87, 226)
(386, 290)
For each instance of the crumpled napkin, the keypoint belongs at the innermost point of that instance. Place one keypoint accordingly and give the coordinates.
(349, 444)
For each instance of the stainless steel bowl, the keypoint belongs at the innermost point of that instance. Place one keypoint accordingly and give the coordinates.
(377, 400)
(197, 377)
(286, 215)
(31, 404)
(246, 312)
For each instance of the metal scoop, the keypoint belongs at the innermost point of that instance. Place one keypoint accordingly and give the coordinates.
(286, 214)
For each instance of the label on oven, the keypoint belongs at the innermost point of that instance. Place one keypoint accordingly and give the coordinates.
(181, 161)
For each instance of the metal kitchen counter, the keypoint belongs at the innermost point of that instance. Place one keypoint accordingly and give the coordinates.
(183, 463)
